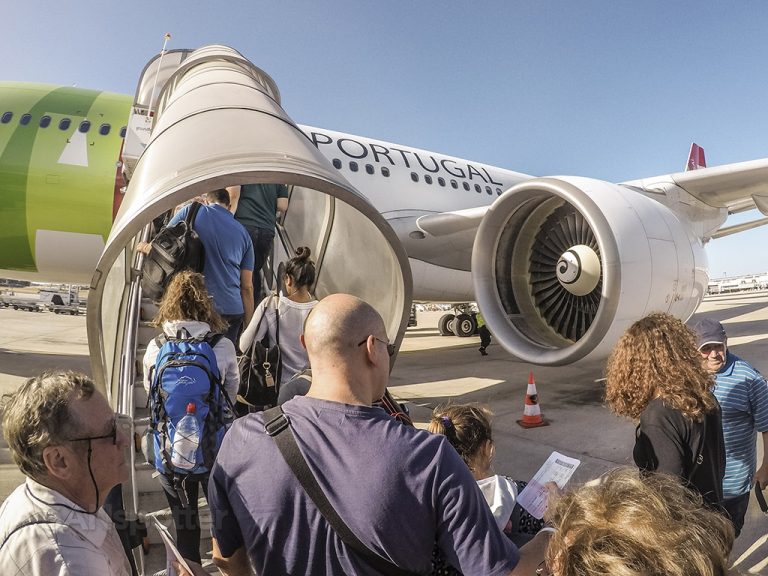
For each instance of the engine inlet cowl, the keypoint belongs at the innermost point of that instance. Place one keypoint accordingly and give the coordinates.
(562, 266)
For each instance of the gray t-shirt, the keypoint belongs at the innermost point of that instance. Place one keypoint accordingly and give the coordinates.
(398, 488)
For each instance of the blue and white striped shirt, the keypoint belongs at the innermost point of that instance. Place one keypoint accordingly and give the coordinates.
(743, 395)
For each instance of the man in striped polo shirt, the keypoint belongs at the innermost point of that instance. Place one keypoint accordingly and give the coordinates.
(743, 396)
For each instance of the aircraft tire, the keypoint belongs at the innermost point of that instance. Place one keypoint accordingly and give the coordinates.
(464, 326)
(444, 324)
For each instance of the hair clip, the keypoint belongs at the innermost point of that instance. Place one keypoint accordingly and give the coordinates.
(447, 422)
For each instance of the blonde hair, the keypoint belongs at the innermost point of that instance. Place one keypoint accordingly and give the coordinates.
(657, 357)
(187, 299)
(633, 524)
(467, 427)
(38, 415)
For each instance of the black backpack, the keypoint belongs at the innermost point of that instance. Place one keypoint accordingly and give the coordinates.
(174, 248)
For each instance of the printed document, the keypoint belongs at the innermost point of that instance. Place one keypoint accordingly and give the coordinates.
(171, 552)
(558, 469)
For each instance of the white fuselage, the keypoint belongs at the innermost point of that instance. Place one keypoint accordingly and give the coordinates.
(405, 183)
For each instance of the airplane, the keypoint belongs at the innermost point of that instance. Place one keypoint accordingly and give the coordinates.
(558, 265)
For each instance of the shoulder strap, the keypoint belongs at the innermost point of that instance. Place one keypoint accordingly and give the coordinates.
(698, 457)
(277, 426)
(264, 312)
(192, 214)
(213, 339)
(279, 370)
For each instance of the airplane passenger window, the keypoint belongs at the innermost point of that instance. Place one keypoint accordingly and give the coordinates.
(123, 130)
(337, 163)
(414, 177)
(488, 190)
(441, 181)
(353, 166)
(104, 129)
(478, 189)
(25, 118)
(498, 191)
(427, 178)
(85, 125)
(64, 124)
(454, 184)
(369, 169)
(45, 121)
(6, 117)
(385, 171)
(466, 186)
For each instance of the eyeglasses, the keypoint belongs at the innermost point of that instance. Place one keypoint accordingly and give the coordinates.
(112, 434)
(390, 347)
(707, 349)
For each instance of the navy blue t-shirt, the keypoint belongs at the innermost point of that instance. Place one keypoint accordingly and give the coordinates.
(398, 488)
(228, 250)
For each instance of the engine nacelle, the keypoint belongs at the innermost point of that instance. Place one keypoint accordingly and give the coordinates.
(563, 266)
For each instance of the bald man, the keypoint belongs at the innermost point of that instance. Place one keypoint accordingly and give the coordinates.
(399, 489)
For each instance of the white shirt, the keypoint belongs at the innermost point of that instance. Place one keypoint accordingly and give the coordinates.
(292, 316)
(501, 494)
(226, 359)
(69, 542)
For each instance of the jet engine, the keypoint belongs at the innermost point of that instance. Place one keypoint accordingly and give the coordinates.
(562, 266)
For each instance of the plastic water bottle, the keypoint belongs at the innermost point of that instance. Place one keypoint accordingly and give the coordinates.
(186, 440)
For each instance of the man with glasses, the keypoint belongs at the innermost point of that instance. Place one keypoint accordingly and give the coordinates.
(400, 490)
(743, 396)
(64, 437)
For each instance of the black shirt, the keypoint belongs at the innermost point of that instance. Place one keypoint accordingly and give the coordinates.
(666, 441)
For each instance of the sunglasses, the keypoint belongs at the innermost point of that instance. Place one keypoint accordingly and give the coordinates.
(390, 347)
(112, 434)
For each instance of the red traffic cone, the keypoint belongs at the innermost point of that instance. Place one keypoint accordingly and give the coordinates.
(532, 413)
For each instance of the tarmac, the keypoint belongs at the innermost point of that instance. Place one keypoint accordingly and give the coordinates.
(433, 369)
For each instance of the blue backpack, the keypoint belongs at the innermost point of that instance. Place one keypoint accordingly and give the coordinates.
(186, 371)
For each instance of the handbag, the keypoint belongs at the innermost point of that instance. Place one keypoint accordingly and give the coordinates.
(260, 368)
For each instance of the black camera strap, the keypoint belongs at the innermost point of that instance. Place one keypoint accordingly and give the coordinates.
(760, 498)
(277, 426)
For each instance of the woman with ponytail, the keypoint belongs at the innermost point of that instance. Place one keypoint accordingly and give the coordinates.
(290, 309)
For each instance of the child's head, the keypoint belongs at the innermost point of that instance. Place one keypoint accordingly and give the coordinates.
(468, 429)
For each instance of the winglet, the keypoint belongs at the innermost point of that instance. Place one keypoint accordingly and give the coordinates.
(696, 158)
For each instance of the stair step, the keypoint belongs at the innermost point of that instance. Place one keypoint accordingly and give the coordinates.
(155, 561)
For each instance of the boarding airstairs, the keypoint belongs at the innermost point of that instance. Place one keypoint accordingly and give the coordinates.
(216, 121)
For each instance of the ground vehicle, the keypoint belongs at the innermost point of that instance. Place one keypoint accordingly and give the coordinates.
(21, 304)
(72, 309)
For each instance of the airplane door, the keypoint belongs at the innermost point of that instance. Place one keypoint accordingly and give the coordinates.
(215, 120)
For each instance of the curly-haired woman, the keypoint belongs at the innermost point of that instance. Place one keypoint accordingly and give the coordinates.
(187, 306)
(631, 524)
(654, 374)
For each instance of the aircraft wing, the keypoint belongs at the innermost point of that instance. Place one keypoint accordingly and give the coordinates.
(737, 187)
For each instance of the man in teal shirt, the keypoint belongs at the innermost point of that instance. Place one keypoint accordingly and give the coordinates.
(256, 208)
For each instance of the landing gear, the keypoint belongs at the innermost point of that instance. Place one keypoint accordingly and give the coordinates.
(444, 324)
(462, 324)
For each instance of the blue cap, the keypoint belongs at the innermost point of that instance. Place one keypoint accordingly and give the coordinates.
(709, 331)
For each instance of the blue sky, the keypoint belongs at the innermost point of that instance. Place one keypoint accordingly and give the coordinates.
(609, 89)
